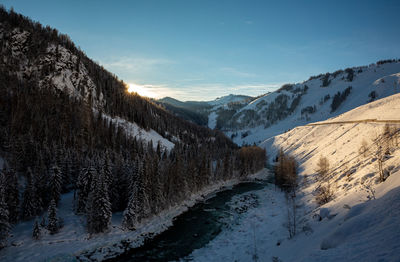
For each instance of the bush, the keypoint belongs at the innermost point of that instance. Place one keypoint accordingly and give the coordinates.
(286, 172)
(325, 80)
(372, 96)
(339, 98)
(324, 194)
(350, 74)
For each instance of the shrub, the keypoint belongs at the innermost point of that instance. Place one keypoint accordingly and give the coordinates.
(324, 194)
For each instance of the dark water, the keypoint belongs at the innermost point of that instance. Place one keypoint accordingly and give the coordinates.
(192, 229)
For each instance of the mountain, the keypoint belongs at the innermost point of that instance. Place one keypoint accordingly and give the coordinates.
(319, 98)
(75, 143)
(195, 112)
(360, 207)
(199, 111)
(251, 120)
(355, 220)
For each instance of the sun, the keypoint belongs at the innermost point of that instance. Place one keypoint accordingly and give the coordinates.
(142, 90)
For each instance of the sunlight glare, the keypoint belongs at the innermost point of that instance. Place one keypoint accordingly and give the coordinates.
(141, 90)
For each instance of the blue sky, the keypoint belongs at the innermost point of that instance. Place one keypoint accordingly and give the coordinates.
(200, 50)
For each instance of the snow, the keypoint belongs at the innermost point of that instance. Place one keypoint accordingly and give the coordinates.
(383, 79)
(228, 99)
(352, 227)
(133, 130)
(212, 120)
(73, 240)
(259, 229)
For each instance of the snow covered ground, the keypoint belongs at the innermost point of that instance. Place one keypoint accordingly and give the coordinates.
(384, 80)
(352, 227)
(73, 240)
(257, 233)
(133, 130)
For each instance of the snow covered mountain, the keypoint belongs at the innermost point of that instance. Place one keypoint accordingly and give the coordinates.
(87, 157)
(319, 98)
(202, 112)
(250, 120)
(361, 220)
(359, 223)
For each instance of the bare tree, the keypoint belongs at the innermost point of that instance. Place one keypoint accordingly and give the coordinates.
(324, 189)
(364, 148)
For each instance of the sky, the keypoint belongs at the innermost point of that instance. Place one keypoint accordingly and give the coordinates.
(201, 50)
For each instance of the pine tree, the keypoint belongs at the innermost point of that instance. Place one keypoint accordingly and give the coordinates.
(11, 194)
(43, 222)
(4, 219)
(29, 207)
(55, 183)
(52, 218)
(99, 207)
(85, 180)
(36, 231)
(129, 216)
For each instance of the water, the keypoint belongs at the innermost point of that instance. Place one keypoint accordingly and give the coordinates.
(192, 229)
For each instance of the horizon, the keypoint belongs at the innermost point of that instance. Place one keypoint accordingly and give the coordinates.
(199, 51)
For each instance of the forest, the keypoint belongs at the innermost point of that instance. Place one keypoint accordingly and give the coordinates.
(54, 141)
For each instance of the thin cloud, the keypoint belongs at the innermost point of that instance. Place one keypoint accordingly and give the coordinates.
(236, 72)
(135, 64)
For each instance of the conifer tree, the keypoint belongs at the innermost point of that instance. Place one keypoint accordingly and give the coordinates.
(84, 183)
(29, 207)
(55, 183)
(43, 222)
(11, 194)
(53, 225)
(4, 219)
(99, 207)
(129, 216)
(36, 231)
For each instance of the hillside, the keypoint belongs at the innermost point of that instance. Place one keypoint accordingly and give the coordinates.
(251, 120)
(316, 99)
(202, 112)
(87, 158)
(360, 218)
(359, 221)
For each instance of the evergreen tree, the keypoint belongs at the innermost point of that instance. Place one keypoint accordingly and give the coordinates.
(4, 219)
(53, 225)
(43, 222)
(11, 194)
(36, 231)
(129, 216)
(55, 183)
(99, 207)
(29, 205)
(84, 183)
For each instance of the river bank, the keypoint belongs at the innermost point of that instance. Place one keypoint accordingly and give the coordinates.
(73, 243)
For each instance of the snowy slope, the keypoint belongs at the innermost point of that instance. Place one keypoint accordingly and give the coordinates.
(352, 227)
(59, 68)
(134, 131)
(310, 101)
(220, 101)
(74, 242)
(358, 229)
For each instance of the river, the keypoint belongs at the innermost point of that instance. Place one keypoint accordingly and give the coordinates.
(197, 226)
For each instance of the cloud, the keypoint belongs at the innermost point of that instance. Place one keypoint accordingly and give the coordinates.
(236, 72)
(204, 92)
(210, 91)
(135, 64)
(248, 22)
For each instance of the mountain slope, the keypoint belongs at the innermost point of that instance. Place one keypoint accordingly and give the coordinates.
(361, 220)
(313, 100)
(67, 124)
(202, 112)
